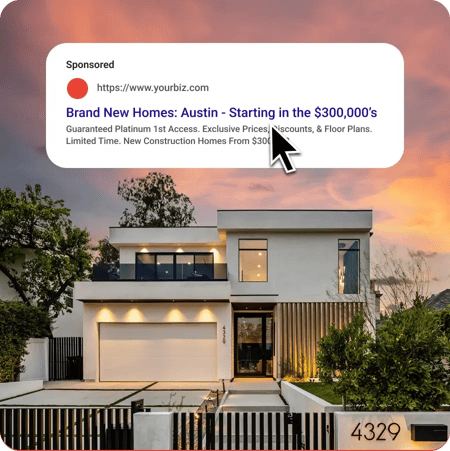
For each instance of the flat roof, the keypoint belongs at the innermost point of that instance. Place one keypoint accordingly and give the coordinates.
(182, 236)
(285, 220)
(287, 209)
(295, 220)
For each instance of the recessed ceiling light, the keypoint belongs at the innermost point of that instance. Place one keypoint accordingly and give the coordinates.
(259, 266)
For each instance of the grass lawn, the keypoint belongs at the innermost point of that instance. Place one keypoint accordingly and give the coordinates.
(320, 390)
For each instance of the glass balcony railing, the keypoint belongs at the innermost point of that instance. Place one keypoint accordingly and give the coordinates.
(160, 272)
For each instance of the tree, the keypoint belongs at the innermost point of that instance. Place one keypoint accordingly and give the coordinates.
(407, 369)
(400, 280)
(402, 369)
(156, 202)
(342, 354)
(365, 296)
(18, 323)
(444, 319)
(56, 252)
(107, 255)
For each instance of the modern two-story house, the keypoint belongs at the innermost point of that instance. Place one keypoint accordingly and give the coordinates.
(247, 297)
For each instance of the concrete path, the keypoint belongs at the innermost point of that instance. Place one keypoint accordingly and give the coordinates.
(107, 394)
(254, 403)
(68, 398)
(81, 385)
(253, 395)
(163, 398)
(244, 385)
(187, 386)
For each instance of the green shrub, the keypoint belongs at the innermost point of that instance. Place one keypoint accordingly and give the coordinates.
(18, 323)
(407, 370)
(444, 319)
(342, 355)
(403, 369)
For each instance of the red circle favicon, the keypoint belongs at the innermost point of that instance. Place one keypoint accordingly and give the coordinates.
(77, 88)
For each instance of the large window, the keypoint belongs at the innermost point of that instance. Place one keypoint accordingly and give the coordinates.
(348, 277)
(252, 260)
(174, 266)
(164, 267)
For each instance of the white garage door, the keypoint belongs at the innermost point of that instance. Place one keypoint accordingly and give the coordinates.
(158, 352)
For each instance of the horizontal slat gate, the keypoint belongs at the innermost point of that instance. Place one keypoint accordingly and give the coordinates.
(66, 429)
(253, 431)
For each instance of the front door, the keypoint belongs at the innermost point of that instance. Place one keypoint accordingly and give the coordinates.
(253, 344)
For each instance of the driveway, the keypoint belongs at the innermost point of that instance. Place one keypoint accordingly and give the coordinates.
(157, 396)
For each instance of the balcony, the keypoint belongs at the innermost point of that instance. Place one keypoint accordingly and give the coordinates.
(160, 272)
(129, 283)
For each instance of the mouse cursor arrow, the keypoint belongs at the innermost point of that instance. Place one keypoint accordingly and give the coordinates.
(280, 148)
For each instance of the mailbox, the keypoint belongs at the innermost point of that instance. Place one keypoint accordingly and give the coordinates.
(137, 406)
(429, 432)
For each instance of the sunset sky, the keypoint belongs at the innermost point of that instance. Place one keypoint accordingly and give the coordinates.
(411, 200)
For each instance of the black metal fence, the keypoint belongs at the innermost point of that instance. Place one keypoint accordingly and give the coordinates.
(253, 430)
(65, 358)
(112, 429)
(67, 429)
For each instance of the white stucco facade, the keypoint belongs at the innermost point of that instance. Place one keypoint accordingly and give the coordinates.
(96, 314)
(302, 264)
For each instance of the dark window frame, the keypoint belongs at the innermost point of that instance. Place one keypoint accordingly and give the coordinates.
(359, 263)
(250, 249)
(263, 316)
(155, 254)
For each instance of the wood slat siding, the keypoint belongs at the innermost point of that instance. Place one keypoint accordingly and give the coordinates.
(301, 325)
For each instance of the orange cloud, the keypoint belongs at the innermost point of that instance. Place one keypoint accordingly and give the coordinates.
(412, 197)
(420, 210)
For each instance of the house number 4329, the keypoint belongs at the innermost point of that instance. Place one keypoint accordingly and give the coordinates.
(224, 339)
(369, 431)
